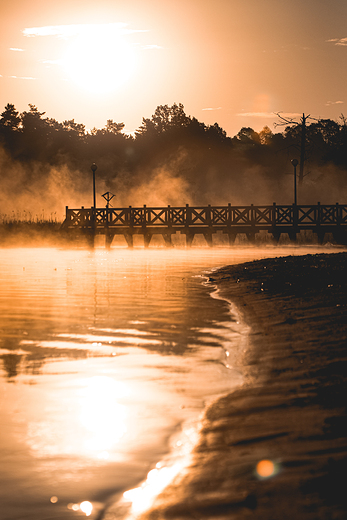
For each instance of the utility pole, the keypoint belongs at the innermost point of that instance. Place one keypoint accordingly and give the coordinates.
(302, 148)
(94, 168)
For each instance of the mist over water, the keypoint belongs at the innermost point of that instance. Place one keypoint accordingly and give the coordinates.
(107, 360)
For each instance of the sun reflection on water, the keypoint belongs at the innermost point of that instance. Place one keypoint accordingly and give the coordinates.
(102, 415)
(89, 422)
(142, 498)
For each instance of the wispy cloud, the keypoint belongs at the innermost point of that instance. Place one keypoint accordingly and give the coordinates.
(212, 108)
(16, 49)
(50, 62)
(338, 41)
(22, 77)
(149, 47)
(256, 114)
(269, 115)
(67, 31)
(329, 103)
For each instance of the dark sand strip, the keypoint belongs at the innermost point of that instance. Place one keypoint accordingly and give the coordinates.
(291, 409)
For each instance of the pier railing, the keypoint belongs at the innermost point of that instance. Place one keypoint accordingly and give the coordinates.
(207, 220)
(262, 217)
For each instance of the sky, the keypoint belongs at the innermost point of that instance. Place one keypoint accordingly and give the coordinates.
(233, 62)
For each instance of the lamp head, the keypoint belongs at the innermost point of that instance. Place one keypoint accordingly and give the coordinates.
(94, 167)
(294, 162)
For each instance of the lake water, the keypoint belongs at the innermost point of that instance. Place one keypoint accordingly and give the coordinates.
(107, 361)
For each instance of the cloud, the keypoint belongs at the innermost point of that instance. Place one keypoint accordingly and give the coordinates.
(21, 77)
(67, 31)
(269, 115)
(16, 49)
(338, 41)
(256, 114)
(50, 62)
(153, 46)
(215, 108)
(329, 103)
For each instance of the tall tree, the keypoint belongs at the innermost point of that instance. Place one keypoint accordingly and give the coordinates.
(164, 119)
(10, 117)
(302, 126)
(113, 127)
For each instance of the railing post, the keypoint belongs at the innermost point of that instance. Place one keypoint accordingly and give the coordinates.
(338, 214)
(188, 216)
(295, 216)
(131, 217)
(274, 214)
(252, 216)
(208, 215)
(144, 222)
(168, 216)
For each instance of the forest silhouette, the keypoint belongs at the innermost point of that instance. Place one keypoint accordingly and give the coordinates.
(172, 158)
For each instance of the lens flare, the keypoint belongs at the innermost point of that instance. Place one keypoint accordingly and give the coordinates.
(265, 468)
(86, 507)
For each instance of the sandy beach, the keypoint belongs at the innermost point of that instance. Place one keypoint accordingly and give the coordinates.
(291, 410)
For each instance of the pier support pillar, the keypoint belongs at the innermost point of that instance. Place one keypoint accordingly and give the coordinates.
(251, 237)
(320, 235)
(147, 238)
(208, 238)
(232, 238)
(129, 239)
(90, 237)
(167, 239)
(292, 236)
(108, 240)
(276, 236)
(189, 239)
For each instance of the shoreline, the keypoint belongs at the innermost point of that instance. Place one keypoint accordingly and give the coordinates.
(291, 410)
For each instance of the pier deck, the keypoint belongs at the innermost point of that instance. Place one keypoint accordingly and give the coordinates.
(207, 220)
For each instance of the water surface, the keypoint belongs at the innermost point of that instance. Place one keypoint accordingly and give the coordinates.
(107, 360)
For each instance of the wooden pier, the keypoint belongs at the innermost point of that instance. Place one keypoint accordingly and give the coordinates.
(207, 220)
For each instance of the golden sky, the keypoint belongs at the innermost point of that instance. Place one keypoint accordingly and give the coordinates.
(233, 62)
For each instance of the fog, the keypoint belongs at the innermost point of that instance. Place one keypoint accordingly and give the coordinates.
(38, 192)
(173, 159)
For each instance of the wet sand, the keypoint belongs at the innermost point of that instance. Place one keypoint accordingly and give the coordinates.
(291, 410)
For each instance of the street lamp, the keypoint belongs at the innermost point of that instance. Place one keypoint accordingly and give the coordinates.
(94, 168)
(295, 162)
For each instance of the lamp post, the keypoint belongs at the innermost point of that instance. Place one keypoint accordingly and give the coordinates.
(295, 162)
(94, 168)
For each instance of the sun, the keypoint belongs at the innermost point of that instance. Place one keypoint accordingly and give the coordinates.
(99, 60)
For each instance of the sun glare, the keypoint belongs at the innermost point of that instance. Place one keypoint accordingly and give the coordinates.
(99, 61)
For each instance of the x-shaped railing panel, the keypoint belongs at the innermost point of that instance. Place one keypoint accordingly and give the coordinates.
(178, 215)
(262, 215)
(157, 216)
(342, 214)
(198, 216)
(284, 215)
(219, 215)
(118, 217)
(307, 214)
(137, 216)
(328, 215)
(241, 216)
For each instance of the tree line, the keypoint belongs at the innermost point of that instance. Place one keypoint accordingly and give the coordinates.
(172, 158)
